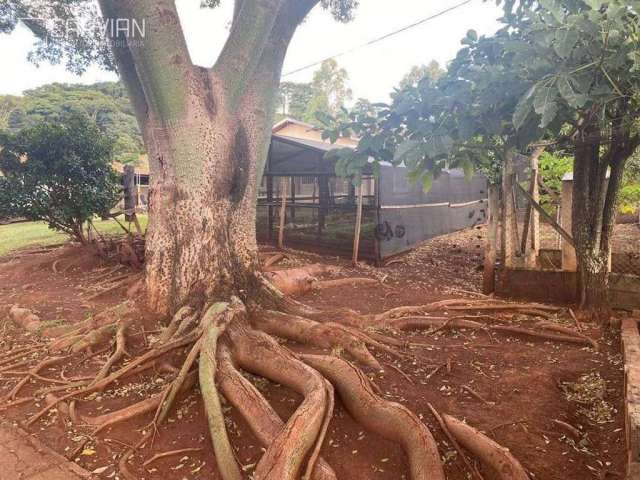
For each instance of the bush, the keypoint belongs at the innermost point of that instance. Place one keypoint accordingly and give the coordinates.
(58, 172)
(552, 169)
(629, 198)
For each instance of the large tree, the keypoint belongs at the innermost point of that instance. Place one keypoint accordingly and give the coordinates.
(207, 132)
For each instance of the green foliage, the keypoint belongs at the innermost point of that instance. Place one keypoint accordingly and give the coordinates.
(629, 198)
(556, 67)
(552, 169)
(71, 32)
(432, 72)
(324, 96)
(58, 172)
(105, 103)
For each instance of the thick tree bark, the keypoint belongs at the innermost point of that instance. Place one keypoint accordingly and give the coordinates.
(207, 133)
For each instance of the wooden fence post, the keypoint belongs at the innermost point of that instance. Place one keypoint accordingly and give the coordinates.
(283, 210)
(509, 220)
(356, 236)
(130, 201)
(490, 246)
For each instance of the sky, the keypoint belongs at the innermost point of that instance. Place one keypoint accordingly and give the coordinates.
(373, 70)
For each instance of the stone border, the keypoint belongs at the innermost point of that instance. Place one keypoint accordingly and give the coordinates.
(631, 349)
(46, 450)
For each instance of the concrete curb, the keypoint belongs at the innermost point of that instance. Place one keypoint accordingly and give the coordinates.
(41, 448)
(631, 350)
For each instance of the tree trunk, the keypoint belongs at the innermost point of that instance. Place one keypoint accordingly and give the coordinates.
(593, 282)
(207, 133)
(597, 178)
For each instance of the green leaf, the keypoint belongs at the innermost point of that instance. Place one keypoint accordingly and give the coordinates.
(545, 105)
(594, 4)
(554, 7)
(427, 181)
(407, 152)
(523, 108)
(573, 98)
(472, 35)
(565, 40)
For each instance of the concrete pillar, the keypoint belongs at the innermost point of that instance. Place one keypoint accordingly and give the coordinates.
(569, 262)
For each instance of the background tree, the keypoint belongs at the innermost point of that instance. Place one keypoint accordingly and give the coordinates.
(106, 103)
(59, 173)
(325, 95)
(431, 71)
(293, 99)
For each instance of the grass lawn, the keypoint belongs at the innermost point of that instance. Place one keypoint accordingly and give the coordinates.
(31, 234)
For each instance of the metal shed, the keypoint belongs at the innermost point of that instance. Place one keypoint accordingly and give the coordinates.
(321, 208)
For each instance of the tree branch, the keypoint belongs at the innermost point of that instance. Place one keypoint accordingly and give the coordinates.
(159, 55)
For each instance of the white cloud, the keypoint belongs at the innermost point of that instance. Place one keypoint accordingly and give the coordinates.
(373, 70)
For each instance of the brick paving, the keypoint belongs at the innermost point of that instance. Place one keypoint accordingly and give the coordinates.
(23, 457)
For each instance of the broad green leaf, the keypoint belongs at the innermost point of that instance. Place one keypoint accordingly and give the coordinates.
(472, 35)
(554, 7)
(545, 105)
(565, 40)
(407, 152)
(523, 108)
(574, 99)
(594, 4)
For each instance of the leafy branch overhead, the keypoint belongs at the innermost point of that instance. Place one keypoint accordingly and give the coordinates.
(549, 65)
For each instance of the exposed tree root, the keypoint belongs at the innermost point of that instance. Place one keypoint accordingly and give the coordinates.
(494, 455)
(306, 331)
(296, 280)
(454, 442)
(272, 260)
(171, 453)
(414, 323)
(33, 373)
(340, 282)
(389, 419)
(216, 320)
(261, 354)
(256, 410)
(140, 408)
(214, 347)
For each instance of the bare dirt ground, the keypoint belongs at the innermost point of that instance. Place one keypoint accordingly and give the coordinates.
(515, 389)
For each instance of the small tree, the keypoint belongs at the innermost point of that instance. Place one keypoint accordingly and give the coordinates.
(563, 71)
(59, 173)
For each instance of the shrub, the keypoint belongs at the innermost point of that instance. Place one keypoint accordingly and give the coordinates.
(58, 172)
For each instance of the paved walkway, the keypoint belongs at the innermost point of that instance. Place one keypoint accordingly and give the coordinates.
(23, 457)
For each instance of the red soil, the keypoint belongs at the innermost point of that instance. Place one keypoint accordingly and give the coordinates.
(517, 378)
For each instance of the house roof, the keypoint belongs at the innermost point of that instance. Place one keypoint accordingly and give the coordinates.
(291, 121)
(306, 143)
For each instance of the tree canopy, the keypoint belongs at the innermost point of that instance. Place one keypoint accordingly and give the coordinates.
(105, 103)
(325, 95)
